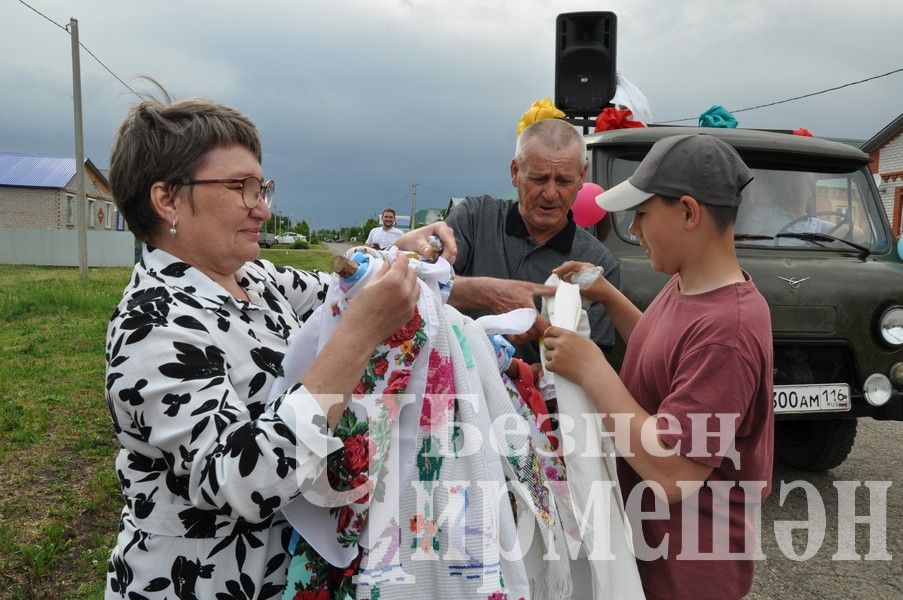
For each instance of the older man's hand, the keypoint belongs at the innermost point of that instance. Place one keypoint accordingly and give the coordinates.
(495, 295)
(534, 333)
(504, 295)
(417, 240)
(500, 296)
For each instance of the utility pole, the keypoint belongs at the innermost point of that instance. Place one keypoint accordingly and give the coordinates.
(81, 216)
(413, 202)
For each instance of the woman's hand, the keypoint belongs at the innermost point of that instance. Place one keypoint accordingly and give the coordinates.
(570, 355)
(377, 310)
(599, 291)
(417, 240)
(385, 303)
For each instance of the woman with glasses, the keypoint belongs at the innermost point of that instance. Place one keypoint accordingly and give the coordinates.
(193, 349)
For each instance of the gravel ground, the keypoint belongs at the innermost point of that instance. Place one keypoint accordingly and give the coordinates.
(876, 457)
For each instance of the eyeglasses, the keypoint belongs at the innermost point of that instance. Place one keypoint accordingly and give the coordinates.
(252, 188)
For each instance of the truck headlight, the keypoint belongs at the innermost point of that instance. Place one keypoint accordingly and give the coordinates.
(896, 374)
(891, 326)
(876, 389)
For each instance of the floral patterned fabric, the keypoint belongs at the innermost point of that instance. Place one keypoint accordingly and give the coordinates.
(205, 464)
(415, 541)
(332, 527)
(538, 490)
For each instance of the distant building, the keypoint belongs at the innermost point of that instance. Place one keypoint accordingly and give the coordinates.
(39, 192)
(427, 215)
(886, 152)
(403, 221)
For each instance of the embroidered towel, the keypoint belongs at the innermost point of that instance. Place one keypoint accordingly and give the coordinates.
(442, 358)
(593, 481)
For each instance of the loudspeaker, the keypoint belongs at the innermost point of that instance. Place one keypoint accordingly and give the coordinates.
(585, 76)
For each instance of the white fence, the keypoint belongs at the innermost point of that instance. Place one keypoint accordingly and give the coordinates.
(59, 247)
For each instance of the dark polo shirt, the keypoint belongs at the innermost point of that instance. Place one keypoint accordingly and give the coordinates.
(493, 242)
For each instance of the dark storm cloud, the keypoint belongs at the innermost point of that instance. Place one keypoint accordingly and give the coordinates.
(357, 99)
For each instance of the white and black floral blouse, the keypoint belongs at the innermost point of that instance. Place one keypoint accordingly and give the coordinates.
(204, 464)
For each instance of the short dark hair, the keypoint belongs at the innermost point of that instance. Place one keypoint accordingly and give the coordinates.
(723, 216)
(168, 141)
(387, 209)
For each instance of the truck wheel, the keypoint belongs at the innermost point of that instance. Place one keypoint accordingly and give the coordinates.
(814, 445)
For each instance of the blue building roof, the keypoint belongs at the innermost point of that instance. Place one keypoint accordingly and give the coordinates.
(27, 170)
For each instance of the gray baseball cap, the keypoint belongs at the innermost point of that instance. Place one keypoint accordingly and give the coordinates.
(696, 165)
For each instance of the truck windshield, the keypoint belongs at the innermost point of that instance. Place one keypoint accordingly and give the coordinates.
(839, 205)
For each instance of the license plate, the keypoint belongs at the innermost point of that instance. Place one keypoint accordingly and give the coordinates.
(828, 397)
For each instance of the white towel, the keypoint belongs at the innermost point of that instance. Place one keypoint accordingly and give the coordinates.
(606, 538)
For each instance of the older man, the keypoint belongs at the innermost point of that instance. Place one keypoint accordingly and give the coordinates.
(508, 248)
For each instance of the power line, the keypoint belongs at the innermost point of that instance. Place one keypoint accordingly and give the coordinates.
(839, 87)
(423, 185)
(88, 50)
(43, 15)
(407, 194)
(108, 69)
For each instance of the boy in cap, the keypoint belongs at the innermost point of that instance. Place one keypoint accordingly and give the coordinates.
(696, 380)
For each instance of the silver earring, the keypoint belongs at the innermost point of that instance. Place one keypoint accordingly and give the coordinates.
(172, 230)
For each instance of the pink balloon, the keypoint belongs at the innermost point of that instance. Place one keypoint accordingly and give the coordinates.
(586, 211)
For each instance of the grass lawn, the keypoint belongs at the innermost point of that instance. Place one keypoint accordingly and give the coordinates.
(59, 498)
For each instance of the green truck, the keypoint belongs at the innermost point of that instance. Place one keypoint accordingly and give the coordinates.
(815, 238)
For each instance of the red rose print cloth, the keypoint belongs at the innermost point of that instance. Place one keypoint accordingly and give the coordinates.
(331, 517)
(398, 513)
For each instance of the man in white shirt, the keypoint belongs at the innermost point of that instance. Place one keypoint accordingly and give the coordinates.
(381, 238)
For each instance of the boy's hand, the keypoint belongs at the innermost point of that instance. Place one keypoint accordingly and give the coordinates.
(597, 292)
(570, 355)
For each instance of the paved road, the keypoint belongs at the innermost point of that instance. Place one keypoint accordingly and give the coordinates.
(877, 456)
(336, 248)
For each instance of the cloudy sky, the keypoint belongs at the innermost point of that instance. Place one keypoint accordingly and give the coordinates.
(357, 99)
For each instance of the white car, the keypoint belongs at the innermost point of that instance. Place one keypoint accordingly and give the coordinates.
(290, 237)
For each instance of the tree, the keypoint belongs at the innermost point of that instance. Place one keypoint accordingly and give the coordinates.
(278, 223)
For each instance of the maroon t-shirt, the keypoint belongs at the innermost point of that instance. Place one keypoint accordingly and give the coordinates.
(703, 355)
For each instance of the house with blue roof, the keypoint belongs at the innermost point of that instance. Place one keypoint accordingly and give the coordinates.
(39, 192)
